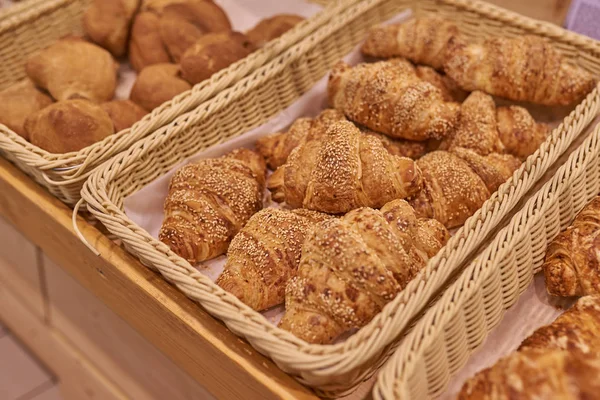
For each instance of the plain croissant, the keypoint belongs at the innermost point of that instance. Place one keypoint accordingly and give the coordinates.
(209, 201)
(389, 97)
(572, 264)
(521, 69)
(343, 170)
(576, 330)
(537, 374)
(457, 183)
(276, 148)
(421, 40)
(265, 254)
(351, 267)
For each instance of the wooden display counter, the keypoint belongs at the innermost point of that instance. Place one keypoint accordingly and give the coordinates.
(196, 343)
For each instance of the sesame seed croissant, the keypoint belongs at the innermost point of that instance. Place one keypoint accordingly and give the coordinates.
(572, 264)
(353, 266)
(209, 201)
(389, 97)
(421, 40)
(341, 171)
(458, 182)
(265, 254)
(521, 69)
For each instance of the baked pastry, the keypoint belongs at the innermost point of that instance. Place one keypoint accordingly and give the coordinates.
(535, 374)
(107, 23)
(212, 53)
(522, 69)
(145, 45)
(572, 264)
(124, 113)
(183, 23)
(449, 88)
(421, 40)
(400, 147)
(493, 169)
(576, 330)
(351, 267)
(19, 101)
(67, 126)
(341, 171)
(390, 98)
(72, 68)
(520, 134)
(208, 203)
(271, 28)
(265, 254)
(156, 84)
(452, 191)
(477, 128)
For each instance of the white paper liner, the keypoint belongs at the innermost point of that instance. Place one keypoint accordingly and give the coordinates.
(535, 308)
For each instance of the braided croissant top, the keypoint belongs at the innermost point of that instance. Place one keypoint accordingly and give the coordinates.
(389, 97)
(265, 254)
(209, 201)
(343, 170)
(521, 69)
(572, 264)
(351, 267)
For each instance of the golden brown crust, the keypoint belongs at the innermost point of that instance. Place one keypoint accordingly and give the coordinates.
(493, 169)
(107, 22)
(390, 98)
(124, 113)
(452, 191)
(265, 254)
(68, 125)
(72, 68)
(146, 46)
(343, 170)
(534, 374)
(572, 264)
(182, 24)
(477, 127)
(519, 132)
(271, 28)
(449, 88)
(577, 330)
(351, 267)
(156, 84)
(19, 101)
(421, 40)
(208, 203)
(212, 53)
(522, 69)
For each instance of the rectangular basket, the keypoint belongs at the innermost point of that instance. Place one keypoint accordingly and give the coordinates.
(440, 344)
(330, 369)
(35, 24)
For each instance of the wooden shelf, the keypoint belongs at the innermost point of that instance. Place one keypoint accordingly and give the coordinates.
(199, 344)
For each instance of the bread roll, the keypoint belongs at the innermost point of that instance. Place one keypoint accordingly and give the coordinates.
(156, 84)
(19, 101)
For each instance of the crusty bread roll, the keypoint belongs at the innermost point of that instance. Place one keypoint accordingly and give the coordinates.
(68, 125)
(72, 68)
(145, 45)
(271, 28)
(17, 102)
(157, 84)
(213, 52)
(107, 23)
(124, 113)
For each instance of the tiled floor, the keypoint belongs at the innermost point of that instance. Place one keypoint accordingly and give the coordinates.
(22, 377)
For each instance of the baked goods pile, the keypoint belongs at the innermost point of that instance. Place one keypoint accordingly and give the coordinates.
(67, 101)
(366, 191)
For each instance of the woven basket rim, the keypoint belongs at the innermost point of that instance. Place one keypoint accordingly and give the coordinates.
(401, 365)
(364, 344)
(76, 166)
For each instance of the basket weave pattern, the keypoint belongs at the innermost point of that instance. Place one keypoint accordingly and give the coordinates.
(44, 21)
(457, 325)
(331, 369)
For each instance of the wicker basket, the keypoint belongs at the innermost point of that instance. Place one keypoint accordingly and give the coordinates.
(330, 369)
(34, 25)
(442, 341)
